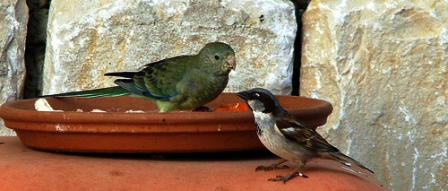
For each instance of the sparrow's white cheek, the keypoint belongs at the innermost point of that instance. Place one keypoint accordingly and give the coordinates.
(256, 105)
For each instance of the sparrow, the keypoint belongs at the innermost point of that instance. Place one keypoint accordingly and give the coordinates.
(287, 137)
(178, 83)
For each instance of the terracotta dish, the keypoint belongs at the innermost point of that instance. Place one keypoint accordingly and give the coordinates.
(149, 132)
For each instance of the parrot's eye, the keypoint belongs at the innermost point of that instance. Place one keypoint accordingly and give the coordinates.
(216, 57)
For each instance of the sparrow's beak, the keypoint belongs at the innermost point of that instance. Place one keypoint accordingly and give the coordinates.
(231, 63)
(244, 95)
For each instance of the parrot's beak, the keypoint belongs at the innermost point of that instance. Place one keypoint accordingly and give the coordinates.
(231, 63)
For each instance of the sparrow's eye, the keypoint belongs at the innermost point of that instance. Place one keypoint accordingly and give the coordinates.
(216, 57)
(255, 95)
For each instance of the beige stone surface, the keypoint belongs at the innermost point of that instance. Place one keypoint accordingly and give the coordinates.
(13, 20)
(89, 38)
(383, 66)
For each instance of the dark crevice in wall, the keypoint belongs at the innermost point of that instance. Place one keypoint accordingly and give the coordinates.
(35, 46)
(300, 6)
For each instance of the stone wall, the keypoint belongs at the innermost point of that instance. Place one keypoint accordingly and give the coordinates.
(383, 66)
(13, 22)
(110, 36)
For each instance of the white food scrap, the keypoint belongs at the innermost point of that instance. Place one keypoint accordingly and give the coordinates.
(42, 104)
(134, 111)
(98, 111)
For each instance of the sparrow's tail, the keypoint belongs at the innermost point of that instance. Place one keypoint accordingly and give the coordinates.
(346, 160)
(103, 92)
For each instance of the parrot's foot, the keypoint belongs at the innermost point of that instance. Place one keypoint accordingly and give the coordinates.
(272, 166)
(202, 109)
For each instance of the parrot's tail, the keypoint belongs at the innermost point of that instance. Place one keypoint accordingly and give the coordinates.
(346, 159)
(103, 92)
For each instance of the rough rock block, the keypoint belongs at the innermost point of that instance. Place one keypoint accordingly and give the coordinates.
(383, 65)
(13, 21)
(102, 36)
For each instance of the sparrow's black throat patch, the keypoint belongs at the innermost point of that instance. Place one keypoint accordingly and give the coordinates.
(258, 129)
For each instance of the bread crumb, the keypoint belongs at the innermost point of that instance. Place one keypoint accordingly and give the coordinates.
(98, 111)
(42, 104)
(134, 111)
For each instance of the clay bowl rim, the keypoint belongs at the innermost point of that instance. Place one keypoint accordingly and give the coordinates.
(13, 111)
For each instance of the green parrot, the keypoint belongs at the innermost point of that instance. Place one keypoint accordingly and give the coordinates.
(177, 83)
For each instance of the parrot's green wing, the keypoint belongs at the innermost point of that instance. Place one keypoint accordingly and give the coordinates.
(157, 80)
(162, 79)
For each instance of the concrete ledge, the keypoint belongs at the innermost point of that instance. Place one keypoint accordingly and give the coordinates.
(23, 168)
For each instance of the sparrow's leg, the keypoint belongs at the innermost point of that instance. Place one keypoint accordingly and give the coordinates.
(272, 166)
(290, 176)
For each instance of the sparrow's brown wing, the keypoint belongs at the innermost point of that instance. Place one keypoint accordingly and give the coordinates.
(296, 130)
